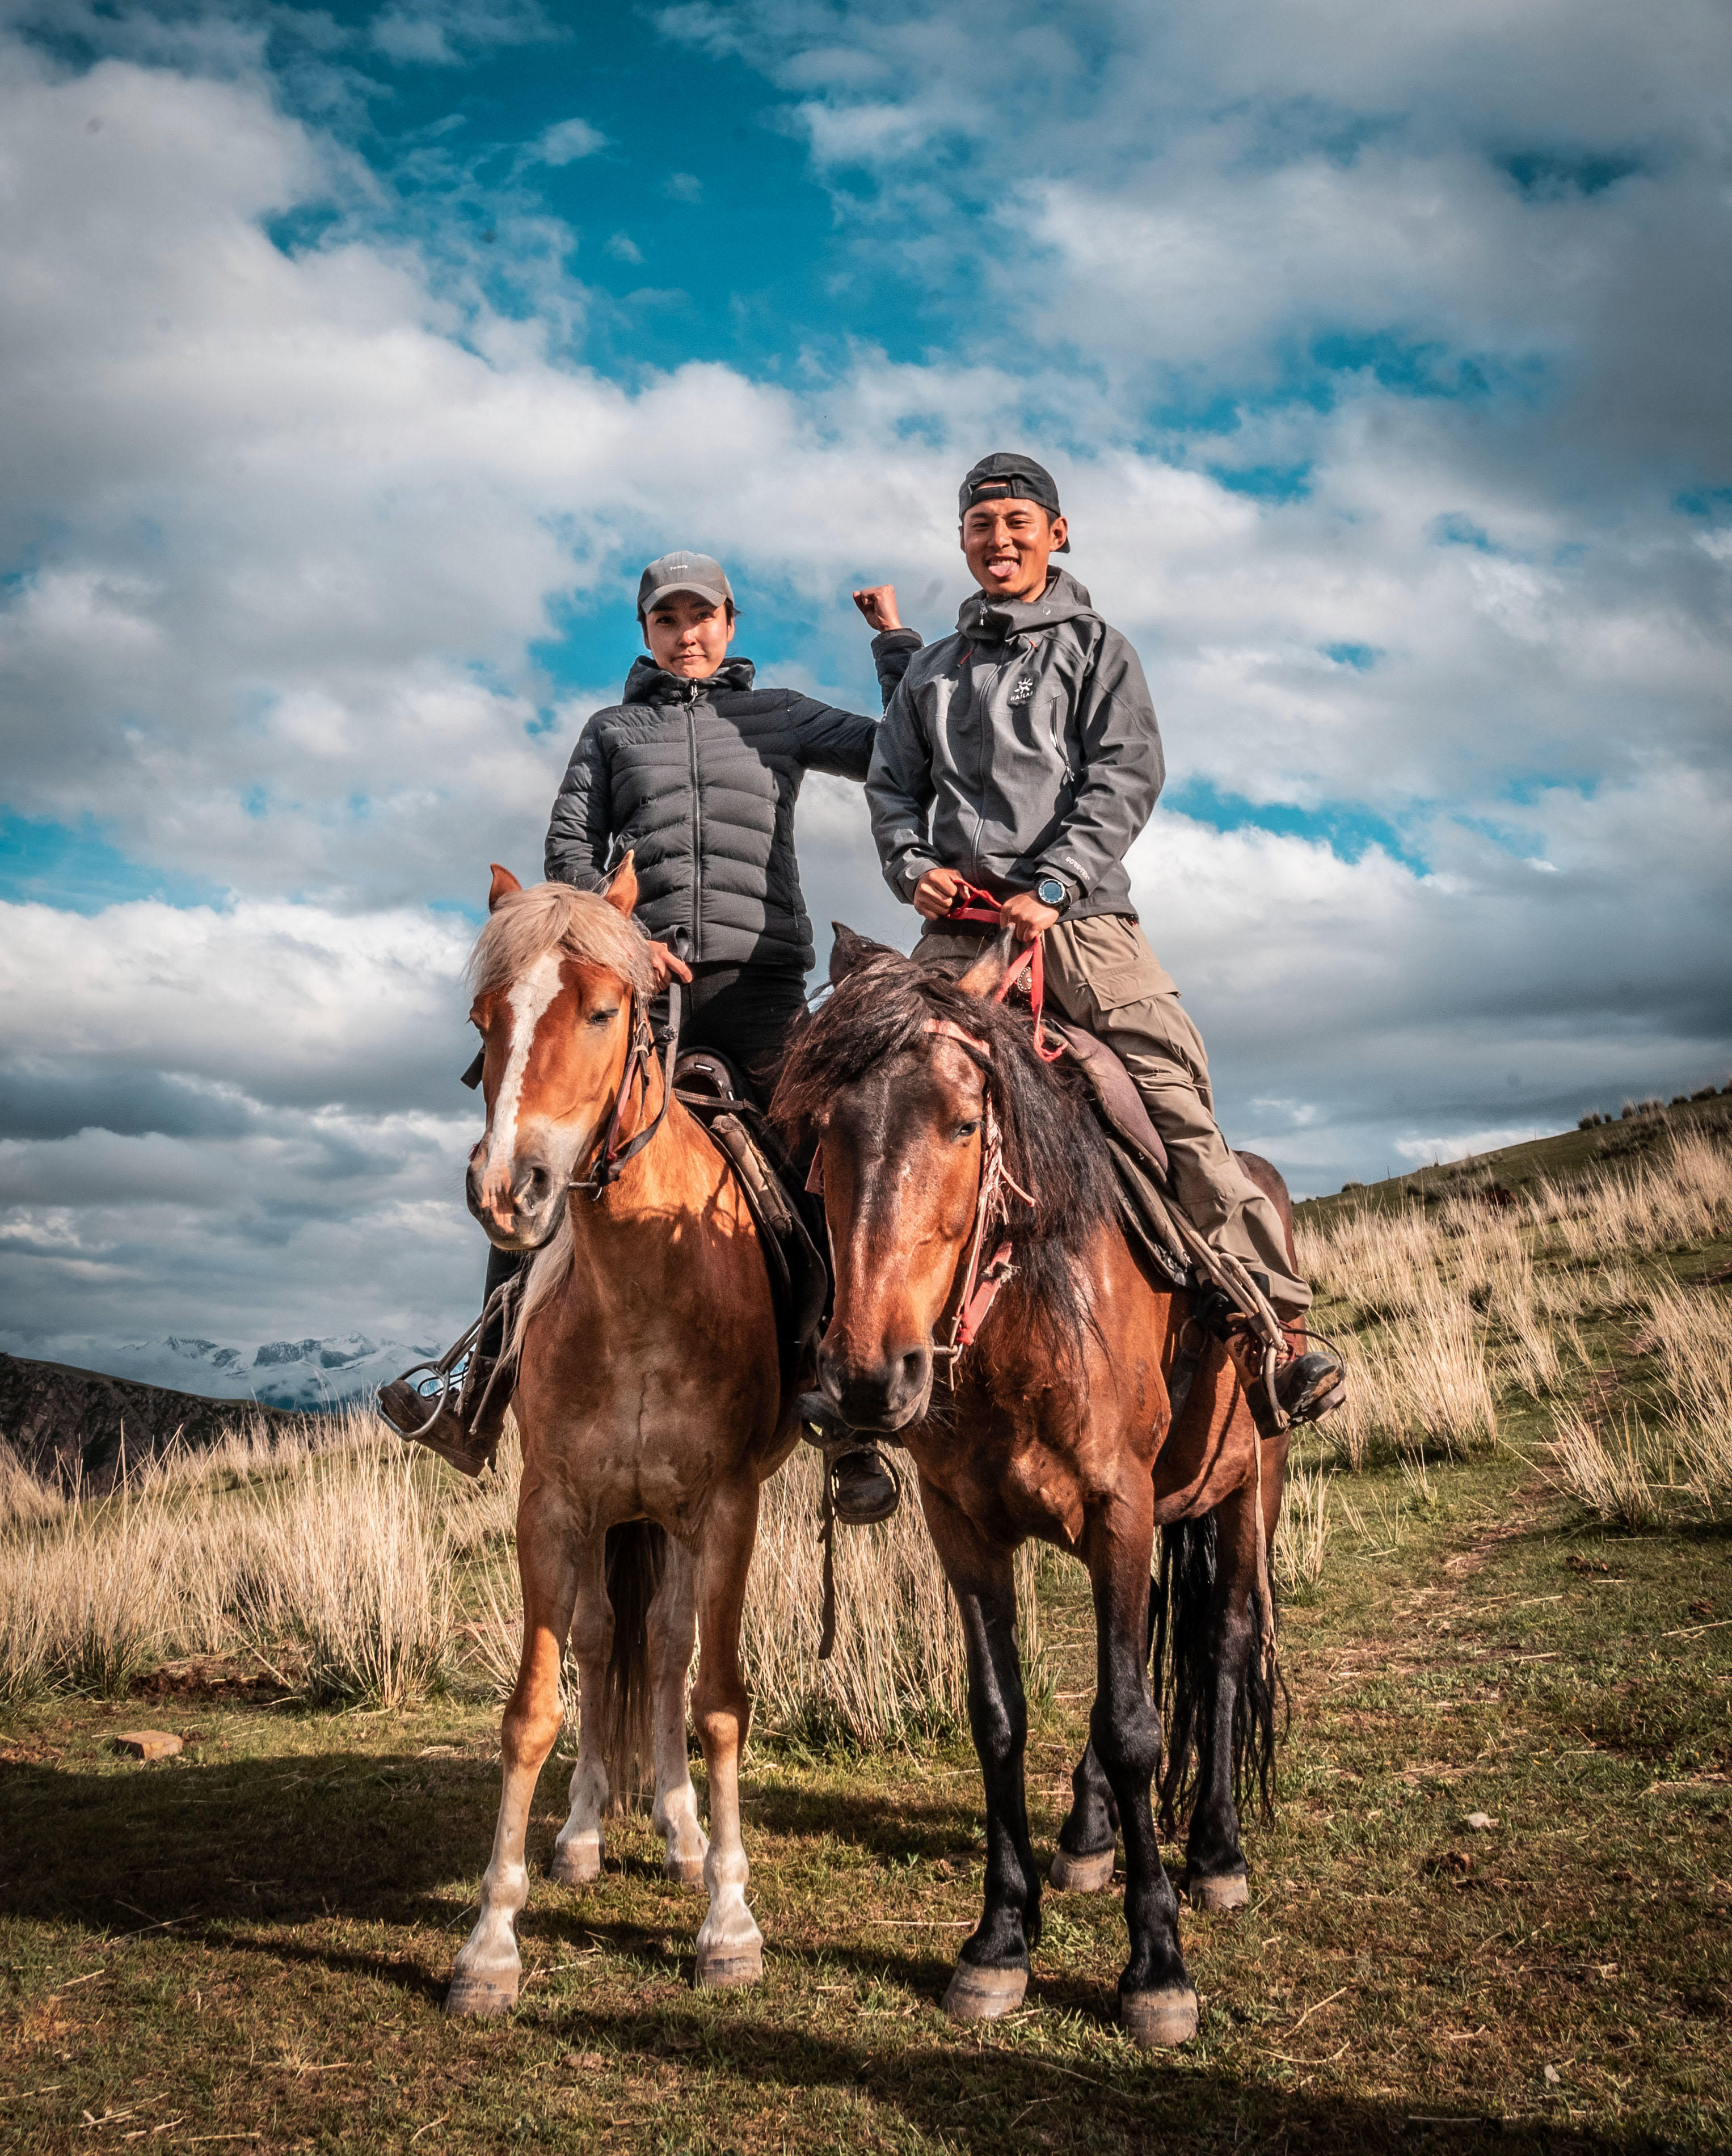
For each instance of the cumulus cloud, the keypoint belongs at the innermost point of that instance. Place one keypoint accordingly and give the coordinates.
(1375, 373)
(567, 141)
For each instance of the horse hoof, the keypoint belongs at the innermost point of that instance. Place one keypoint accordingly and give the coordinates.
(1159, 2019)
(577, 1864)
(984, 1994)
(685, 1871)
(474, 1992)
(727, 1968)
(1224, 1890)
(1082, 1875)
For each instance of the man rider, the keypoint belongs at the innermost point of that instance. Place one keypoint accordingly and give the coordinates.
(695, 772)
(1022, 755)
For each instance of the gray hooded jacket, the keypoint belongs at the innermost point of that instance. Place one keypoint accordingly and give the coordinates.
(1022, 746)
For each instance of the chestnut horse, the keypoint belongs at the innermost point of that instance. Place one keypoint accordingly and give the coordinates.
(649, 1391)
(936, 1123)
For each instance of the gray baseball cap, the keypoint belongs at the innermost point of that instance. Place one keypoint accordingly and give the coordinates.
(1008, 472)
(698, 573)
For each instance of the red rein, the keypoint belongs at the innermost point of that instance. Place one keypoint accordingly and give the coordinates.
(971, 903)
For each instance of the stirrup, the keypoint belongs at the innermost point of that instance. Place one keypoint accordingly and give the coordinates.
(451, 1371)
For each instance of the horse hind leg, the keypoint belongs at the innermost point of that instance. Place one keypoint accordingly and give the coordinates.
(488, 1968)
(1235, 1710)
(577, 1847)
(1088, 1841)
(673, 1632)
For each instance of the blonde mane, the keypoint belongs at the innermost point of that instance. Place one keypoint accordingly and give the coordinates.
(526, 925)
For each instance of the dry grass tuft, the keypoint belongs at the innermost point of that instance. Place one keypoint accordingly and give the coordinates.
(1302, 1538)
(330, 1566)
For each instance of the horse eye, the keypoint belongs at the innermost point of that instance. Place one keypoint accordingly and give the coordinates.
(967, 1130)
(605, 1016)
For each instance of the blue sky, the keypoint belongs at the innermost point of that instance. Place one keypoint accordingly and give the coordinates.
(363, 354)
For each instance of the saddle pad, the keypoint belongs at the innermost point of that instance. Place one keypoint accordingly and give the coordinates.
(1116, 1095)
(800, 1279)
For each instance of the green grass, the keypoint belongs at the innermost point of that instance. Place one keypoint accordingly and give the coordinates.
(312, 1875)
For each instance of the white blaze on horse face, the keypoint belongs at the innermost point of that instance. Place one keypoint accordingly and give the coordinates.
(528, 1002)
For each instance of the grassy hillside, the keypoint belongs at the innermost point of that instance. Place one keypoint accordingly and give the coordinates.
(1507, 1586)
(1564, 1158)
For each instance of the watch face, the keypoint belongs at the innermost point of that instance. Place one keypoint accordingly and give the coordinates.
(1049, 891)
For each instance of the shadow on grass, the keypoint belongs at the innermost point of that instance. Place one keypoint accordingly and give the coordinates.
(239, 1855)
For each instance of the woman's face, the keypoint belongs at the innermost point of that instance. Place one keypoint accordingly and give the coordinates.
(688, 635)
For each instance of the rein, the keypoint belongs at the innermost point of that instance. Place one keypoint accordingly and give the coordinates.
(980, 1288)
(609, 1162)
(972, 904)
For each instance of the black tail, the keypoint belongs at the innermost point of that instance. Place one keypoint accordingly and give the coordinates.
(635, 1555)
(1185, 1635)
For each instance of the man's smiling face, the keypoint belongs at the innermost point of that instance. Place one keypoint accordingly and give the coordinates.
(1007, 543)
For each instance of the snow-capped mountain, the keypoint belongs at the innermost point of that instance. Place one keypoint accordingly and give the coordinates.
(277, 1373)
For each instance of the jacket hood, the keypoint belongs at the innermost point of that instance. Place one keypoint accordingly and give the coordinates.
(647, 683)
(983, 620)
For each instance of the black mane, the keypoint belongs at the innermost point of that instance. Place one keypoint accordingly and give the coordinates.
(1053, 1145)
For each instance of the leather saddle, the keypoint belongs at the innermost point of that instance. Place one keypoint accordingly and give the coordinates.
(709, 1087)
(1139, 1157)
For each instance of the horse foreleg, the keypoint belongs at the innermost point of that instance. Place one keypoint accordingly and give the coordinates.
(673, 1629)
(1217, 1877)
(1088, 1841)
(485, 1979)
(1156, 2001)
(577, 1849)
(730, 1946)
(992, 1968)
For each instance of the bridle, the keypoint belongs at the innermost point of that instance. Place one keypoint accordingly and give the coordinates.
(980, 1283)
(609, 1158)
(980, 1287)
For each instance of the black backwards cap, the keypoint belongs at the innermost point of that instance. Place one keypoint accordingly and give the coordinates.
(1005, 473)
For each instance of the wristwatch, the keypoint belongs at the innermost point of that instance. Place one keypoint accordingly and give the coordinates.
(1050, 891)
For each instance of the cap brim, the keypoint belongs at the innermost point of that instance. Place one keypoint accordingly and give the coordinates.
(670, 591)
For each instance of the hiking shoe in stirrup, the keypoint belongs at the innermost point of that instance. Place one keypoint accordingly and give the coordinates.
(467, 1439)
(862, 1490)
(1306, 1385)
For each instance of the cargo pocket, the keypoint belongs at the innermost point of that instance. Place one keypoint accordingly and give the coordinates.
(1135, 982)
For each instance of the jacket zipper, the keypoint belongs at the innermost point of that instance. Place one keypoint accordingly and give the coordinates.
(697, 836)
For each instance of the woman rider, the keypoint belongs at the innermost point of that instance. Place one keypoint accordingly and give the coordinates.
(695, 772)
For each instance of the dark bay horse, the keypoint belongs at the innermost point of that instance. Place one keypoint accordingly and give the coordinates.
(942, 1134)
(651, 1402)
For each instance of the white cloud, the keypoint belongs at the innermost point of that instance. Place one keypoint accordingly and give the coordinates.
(568, 140)
(623, 248)
(285, 521)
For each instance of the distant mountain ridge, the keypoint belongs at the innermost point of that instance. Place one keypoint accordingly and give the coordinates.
(305, 1375)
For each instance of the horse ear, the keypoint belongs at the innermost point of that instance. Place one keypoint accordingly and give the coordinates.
(850, 952)
(986, 975)
(623, 892)
(504, 885)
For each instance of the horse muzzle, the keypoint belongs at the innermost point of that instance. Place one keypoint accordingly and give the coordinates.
(521, 1212)
(884, 1395)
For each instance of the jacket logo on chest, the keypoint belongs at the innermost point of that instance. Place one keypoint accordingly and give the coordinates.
(1023, 689)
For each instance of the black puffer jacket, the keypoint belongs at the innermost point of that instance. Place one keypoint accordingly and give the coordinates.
(699, 780)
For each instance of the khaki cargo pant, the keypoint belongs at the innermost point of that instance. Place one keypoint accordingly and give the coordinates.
(1103, 976)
